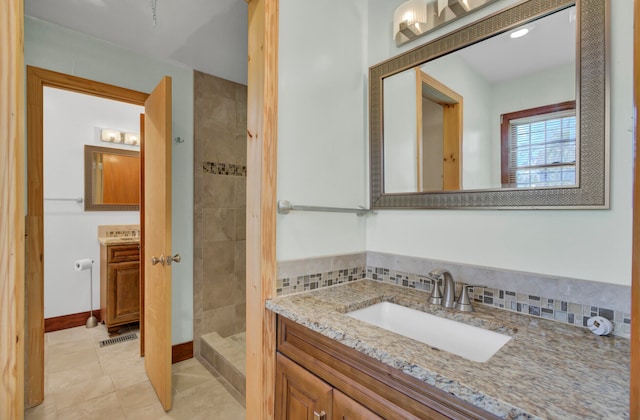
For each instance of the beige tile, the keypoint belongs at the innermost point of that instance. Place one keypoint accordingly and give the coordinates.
(202, 401)
(106, 407)
(128, 373)
(240, 291)
(74, 376)
(59, 360)
(219, 319)
(240, 192)
(66, 397)
(70, 334)
(198, 230)
(217, 291)
(45, 411)
(189, 376)
(218, 224)
(138, 395)
(241, 224)
(240, 253)
(219, 146)
(150, 412)
(218, 191)
(218, 258)
(241, 147)
(240, 322)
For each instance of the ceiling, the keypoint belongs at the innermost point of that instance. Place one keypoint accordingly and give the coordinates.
(205, 35)
(551, 42)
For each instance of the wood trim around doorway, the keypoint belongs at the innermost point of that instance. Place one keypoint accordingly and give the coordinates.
(262, 119)
(12, 210)
(37, 79)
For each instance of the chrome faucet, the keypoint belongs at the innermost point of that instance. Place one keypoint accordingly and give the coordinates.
(449, 293)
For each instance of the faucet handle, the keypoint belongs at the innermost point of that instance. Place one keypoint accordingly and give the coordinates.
(436, 294)
(464, 303)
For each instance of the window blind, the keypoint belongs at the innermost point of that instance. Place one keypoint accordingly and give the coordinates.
(542, 150)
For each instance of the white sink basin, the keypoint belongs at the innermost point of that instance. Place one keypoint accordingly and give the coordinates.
(473, 343)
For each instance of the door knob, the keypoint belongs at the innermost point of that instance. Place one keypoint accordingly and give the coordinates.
(156, 260)
(176, 258)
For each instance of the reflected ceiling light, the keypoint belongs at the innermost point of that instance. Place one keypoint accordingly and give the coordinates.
(519, 33)
(115, 136)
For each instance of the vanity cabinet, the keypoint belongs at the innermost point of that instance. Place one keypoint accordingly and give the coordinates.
(318, 376)
(302, 395)
(119, 285)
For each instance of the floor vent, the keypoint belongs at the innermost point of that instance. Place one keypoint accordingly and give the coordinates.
(116, 340)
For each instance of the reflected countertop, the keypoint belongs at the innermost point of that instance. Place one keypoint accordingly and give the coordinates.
(549, 370)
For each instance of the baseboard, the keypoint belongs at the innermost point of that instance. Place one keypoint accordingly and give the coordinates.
(63, 322)
(180, 352)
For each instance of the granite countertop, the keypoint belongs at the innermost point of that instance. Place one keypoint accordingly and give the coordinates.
(124, 240)
(548, 370)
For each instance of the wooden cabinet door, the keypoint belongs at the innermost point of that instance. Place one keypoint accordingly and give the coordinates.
(300, 395)
(345, 408)
(123, 292)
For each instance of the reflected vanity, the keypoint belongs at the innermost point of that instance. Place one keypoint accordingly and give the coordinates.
(111, 179)
(479, 119)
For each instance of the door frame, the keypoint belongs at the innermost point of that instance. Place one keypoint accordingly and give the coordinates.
(452, 131)
(12, 210)
(262, 151)
(37, 79)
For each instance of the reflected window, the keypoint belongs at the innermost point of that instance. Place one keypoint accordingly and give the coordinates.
(539, 146)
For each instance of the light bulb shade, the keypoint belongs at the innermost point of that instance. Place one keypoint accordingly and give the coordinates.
(116, 136)
(131, 138)
(112, 136)
(409, 19)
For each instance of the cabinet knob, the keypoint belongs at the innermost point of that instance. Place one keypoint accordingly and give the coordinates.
(319, 416)
(176, 258)
(156, 260)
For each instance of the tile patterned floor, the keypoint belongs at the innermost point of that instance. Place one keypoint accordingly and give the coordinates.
(86, 381)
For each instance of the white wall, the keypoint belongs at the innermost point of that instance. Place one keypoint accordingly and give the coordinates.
(321, 125)
(583, 244)
(72, 120)
(400, 142)
(55, 48)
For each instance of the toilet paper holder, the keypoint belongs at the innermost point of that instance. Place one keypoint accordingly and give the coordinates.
(84, 265)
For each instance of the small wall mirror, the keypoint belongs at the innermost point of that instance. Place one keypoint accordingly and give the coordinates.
(111, 179)
(482, 118)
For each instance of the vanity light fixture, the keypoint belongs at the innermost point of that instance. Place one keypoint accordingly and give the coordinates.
(115, 136)
(415, 18)
(410, 20)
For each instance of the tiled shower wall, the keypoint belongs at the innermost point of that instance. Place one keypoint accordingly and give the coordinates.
(220, 159)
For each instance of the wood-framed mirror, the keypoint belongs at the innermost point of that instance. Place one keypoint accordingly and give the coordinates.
(587, 187)
(111, 179)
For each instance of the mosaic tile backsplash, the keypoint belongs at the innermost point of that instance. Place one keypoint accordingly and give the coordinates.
(287, 286)
(538, 306)
(563, 310)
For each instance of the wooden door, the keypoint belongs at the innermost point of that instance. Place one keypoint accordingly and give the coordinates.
(300, 394)
(157, 240)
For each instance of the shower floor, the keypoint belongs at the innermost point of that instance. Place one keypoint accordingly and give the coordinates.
(227, 356)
